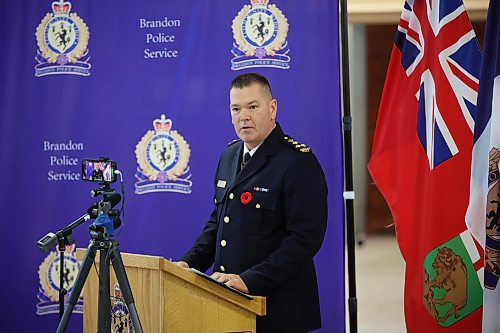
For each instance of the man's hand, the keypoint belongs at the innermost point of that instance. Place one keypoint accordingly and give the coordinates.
(231, 280)
(182, 264)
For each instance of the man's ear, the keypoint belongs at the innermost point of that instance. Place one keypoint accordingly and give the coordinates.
(273, 105)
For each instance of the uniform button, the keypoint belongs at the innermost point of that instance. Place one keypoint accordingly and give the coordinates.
(223, 242)
(222, 268)
(226, 219)
(257, 206)
(215, 200)
(231, 196)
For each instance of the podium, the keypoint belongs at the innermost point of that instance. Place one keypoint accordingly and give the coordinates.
(169, 298)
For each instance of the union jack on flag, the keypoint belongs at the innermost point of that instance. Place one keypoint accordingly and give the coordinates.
(437, 45)
(421, 163)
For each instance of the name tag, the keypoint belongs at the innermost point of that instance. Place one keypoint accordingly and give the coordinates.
(221, 183)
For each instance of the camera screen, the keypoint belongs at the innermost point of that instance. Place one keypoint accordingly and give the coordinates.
(99, 170)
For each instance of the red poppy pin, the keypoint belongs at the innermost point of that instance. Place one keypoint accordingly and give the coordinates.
(246, 197)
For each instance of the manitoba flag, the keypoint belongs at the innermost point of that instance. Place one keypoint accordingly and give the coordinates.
(483, 212)
(421, 163)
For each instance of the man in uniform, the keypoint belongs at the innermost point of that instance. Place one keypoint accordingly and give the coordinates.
(270, 214)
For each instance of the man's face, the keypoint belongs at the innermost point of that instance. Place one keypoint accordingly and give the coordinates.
(253, 113)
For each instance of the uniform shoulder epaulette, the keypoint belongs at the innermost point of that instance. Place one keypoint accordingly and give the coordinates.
(295, 144)
(233, 142)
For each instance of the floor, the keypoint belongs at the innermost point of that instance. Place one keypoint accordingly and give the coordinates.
(380, 283)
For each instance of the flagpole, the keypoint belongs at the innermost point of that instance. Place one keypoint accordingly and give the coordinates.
(349, 190)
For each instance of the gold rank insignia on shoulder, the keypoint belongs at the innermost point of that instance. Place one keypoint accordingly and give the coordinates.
(295, 144)
(233, 142)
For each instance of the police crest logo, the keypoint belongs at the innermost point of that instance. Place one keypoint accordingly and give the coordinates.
(163, 157)
(120, 316)
(260, 32)
(492, 248)
(62, 39)
(49, 277)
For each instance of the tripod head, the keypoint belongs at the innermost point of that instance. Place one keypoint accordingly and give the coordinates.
(105, 190)
(107, 219)
(109, 199)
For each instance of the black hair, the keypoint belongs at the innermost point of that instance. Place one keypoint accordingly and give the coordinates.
(247, 79)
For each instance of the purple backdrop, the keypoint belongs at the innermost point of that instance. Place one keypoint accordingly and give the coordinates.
(107, 113)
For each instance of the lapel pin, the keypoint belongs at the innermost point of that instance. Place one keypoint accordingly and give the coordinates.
(246, 197)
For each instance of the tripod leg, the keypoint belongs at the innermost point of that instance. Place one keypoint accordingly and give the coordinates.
(104, 307)
(121, 276)
(77, 287)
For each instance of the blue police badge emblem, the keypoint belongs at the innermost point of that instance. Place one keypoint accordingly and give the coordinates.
(49, 276)
(163, 157)
(120, 316)
(62, 39)
(260, 32)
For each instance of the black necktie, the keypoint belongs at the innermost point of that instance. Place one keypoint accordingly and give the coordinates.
(246, 158)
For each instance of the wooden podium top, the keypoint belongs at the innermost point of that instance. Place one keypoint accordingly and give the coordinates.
(255, 305)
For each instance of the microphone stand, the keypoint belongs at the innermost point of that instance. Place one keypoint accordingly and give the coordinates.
(62, 290)
(65, 238)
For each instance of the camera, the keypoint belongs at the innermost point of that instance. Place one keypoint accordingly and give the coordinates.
(101, 170)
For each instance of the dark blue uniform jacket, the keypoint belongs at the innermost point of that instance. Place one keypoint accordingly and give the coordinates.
(268, 223)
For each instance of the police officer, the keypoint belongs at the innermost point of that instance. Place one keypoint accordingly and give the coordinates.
(270, 214)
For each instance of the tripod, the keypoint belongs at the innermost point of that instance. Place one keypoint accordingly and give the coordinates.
(108, 251)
